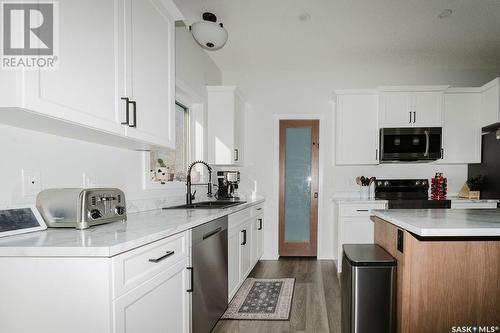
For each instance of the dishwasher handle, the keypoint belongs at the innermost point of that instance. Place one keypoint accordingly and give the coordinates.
(210, 234)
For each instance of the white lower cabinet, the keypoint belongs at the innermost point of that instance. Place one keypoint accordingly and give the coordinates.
(354, 225)
(244, 245)
(141, 290)
(160, 305)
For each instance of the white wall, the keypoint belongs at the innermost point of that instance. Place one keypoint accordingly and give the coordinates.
(62, 161)
(274, 94)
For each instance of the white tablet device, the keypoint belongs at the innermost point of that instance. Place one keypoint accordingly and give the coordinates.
(20, 220)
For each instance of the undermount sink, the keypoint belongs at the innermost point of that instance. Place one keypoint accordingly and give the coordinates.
(208, 205)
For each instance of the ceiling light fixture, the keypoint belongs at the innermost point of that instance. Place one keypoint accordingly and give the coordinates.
(445, 13)
(208, 33)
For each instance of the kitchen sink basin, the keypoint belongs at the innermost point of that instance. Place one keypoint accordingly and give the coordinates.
(208, 205)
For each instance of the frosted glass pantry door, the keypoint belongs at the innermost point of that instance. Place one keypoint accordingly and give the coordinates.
(298, 187)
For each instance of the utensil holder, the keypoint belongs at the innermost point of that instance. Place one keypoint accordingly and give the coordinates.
(364, 192)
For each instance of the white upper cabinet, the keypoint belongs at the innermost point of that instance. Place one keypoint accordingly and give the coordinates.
(421, 107)
(356, 139)
(126, 52)
(84, 89)
(149, 43)
(226, 112)
(490, 103)
(461, 131)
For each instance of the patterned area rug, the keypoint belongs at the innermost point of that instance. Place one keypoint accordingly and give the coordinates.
(262, 299)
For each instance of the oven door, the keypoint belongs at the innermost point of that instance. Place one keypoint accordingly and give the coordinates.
(410, 144)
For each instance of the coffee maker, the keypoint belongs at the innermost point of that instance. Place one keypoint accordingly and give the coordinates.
(228, 185)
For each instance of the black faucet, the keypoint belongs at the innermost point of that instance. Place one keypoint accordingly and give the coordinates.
(190, 197)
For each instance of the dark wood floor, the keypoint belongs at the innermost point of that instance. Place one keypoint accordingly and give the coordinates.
(316, 299)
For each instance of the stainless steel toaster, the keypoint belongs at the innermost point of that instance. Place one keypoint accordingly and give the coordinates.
(81, 208)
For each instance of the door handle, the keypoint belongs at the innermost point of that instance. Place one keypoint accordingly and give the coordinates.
(426, 153)
(190, 290)
(134, 104)
(260, 225)
(244, 237)
(165, 256)
(210, 234)
(315, 195)
(126, 122)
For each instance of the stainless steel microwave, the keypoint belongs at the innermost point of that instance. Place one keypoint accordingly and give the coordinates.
(419, 144)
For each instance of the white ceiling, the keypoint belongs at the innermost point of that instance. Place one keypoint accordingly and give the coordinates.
(268, 35)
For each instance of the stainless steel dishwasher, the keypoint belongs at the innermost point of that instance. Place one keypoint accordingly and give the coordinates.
(209, 269)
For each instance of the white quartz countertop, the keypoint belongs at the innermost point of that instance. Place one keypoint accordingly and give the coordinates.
(111, 239)
(445, 222)
(357, 200)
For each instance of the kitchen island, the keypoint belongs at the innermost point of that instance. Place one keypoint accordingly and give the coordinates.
(448, 267)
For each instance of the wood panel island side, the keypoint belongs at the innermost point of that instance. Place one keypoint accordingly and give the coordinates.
(448, 268)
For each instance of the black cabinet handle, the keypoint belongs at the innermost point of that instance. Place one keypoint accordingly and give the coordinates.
(361, 210)
(126, 122)
(260, 225)
(134, 104)
(260, 208)
(244, 237)
(414, 116)
(190, 290)
(210, 234)
(236, 155)
(165, 256)
(410, 118)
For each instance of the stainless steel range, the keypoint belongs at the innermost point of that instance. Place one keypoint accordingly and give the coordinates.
(407, 194)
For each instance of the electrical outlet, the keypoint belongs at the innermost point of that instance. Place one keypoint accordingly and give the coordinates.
(88, 180)
(31, 182)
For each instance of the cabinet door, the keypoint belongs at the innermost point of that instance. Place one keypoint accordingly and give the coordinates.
(356, 129)
(84, 89)
(150, 71)
(157, 306)
(490, 103)
(428, 107)
(395, 109)
(259, 237)
(245, 250)
(461, 130)
(239, 130)
(233, 264)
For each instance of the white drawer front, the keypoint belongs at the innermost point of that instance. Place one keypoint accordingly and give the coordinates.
(357, 230)
(359, 210)
(257, 209)
(236, 219)
(134, 267)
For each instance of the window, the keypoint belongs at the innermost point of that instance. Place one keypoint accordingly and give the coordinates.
(171, 165)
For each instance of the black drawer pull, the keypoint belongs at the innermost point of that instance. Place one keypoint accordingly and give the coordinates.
(260, 225)
(361, 210)
(165, 256)
(244, 237)
(126, 122)
(134, 104)
(210, 234)
(190, 290)
(260, 208)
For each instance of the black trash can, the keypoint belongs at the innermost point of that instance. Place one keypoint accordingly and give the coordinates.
(367, 289)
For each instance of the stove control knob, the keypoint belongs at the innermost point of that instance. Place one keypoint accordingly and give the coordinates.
(386, 183)
(379, 183)
(424, 182)
(417, 183)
